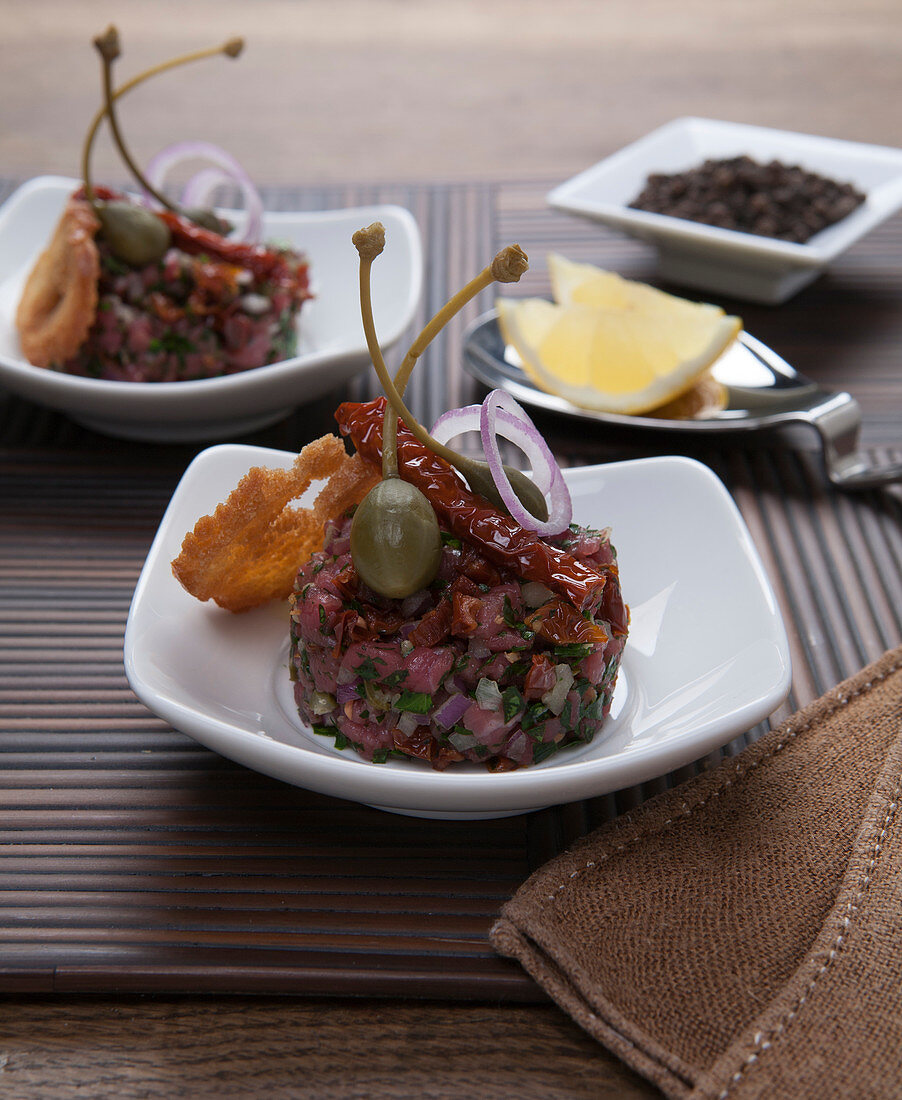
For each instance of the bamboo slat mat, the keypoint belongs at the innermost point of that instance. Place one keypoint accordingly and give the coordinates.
(133, 859)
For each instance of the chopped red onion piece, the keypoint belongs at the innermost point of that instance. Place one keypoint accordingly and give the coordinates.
(345, 693)
(463, 741)
(451, 711)
(408, 722)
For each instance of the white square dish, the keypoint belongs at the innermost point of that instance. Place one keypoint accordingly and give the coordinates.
(707, 657)
(331, 343)
(760, 269)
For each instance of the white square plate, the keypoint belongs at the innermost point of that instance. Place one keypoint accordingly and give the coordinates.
(707, 657)
(331, 343)
(742, 264)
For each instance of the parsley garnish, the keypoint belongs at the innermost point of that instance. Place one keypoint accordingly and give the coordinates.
(393, 679)
(572, 652)
(543, 751)
(512, 701)
(417, 702)
(367, 670)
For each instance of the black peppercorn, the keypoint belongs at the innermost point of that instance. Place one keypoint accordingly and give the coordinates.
(771, 200)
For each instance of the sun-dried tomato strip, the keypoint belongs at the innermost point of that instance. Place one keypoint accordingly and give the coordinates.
(558, 623)
(468, 516)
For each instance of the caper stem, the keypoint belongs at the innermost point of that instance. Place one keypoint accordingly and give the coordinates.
(485, 278)
(507, 266)
(107, 45)
(369, 243)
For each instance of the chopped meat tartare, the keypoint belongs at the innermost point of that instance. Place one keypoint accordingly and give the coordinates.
(190, 316)
(471, 668)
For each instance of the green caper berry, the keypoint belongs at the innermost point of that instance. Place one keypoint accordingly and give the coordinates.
(396, 545)
(480, 480)
(135, 235)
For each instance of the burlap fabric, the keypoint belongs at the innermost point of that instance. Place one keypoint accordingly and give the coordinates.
(741, 935)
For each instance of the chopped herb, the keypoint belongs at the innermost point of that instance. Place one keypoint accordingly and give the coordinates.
(512, 702)
(610, 671)
(326, 731)
(393, 679)
(511, 620)
(543, 751)
(341, 742)
(173, 342)
(322, 618)
(535, 715)
(450, 541)
(115, 266)
(306, 589)
(417, 702)
(508, 613)
(380, 755)
(367, 670)
(318, 566)
(572, 652)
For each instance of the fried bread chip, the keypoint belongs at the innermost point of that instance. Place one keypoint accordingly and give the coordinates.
(59, 301)
(250, 549)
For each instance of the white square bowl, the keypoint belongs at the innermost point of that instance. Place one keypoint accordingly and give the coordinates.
(707, 656)
(331, 342)
(743, 265)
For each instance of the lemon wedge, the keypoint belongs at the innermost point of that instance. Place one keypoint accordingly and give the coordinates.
(612, 344)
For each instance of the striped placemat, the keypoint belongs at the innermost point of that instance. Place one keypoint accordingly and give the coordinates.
(133, 859)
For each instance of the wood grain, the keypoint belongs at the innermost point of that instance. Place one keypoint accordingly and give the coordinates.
(120, 1049)
(393, 90)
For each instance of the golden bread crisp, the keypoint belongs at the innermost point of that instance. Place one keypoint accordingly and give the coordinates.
(59, 301)
(250, 549)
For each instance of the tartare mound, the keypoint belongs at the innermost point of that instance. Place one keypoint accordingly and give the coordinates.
(187, 317)
(479, 666)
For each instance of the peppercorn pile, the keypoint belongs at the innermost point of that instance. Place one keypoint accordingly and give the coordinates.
(770, 200)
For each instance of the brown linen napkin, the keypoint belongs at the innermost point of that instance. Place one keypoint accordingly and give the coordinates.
(741, 935)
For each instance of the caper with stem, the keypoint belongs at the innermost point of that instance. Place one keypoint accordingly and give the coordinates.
(395, 555)
(507, 267)
(396, 544)
(134, 234)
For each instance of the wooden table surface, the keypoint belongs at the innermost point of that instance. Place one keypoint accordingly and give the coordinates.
(816, 66)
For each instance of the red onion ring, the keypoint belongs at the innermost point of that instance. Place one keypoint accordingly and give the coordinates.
(501, 415)
(201, 186)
